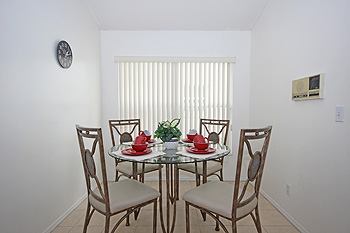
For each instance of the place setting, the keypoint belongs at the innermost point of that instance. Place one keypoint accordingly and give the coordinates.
(139, 148)
(147, 134)
(201, 147)
(190, 136)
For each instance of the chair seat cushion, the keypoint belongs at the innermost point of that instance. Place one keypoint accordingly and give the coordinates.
(124, 194)
(212, 167)
(217, 196)
(126, 168)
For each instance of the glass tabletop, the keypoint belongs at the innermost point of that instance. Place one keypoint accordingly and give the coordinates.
(171, 156)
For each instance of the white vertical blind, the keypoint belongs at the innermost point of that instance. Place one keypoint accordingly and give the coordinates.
(163, 88)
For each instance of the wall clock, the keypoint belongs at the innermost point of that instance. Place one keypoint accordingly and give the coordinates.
(64, 54)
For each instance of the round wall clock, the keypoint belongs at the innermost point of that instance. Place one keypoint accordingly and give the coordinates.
(64, 54)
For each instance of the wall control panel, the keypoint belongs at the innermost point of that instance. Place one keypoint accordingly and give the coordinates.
(308, 88)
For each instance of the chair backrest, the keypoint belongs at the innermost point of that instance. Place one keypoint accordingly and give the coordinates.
(92, 138)
(124, 128)
(253, 140)
(215, 129)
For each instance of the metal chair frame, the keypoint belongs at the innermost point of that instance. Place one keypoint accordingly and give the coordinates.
(255, 172)
(114, 127)
(203, 125)
(87, 155)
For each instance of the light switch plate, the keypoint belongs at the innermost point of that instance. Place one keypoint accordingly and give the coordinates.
(339, 113)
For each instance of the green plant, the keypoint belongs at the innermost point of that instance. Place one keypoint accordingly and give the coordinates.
(167, 130)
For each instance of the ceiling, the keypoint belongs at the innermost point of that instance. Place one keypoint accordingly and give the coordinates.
(202, 15)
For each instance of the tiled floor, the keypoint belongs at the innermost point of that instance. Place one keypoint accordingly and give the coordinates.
(272, 221)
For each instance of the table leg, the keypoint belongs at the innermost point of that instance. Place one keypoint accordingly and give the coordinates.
(134, 176)
(168, 170)
(161, 198)
(167, 176)
(204, 216)
(134, 170)
(176, 194)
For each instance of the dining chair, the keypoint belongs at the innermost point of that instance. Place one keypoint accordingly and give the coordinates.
(117, 128)
(220, 199)
(109, 198)
(214, 130)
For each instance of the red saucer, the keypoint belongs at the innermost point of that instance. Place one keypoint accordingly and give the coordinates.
(187, 140)
(196, 151)
(151, 141)
(131, 151)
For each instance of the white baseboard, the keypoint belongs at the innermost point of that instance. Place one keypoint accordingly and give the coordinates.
(64, 215)
(284, 213)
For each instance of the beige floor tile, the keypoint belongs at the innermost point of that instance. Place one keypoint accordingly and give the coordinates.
(61, 230)
(146, 229)
(264, 204)
(72, 219)
(240, 229)
(249, 229)
(97, 219)
(126, 229)
(82, 205)
(145, 218)
(211, 229)
(247, 221)
(91, 229)
(273, 217)
(181, 218)
(281, 229)
(182, 229)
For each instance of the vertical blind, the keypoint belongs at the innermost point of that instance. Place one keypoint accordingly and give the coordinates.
(158, 89)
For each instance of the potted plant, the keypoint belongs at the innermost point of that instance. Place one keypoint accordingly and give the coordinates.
(169, 133)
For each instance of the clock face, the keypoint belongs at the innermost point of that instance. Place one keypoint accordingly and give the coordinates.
(64, 54)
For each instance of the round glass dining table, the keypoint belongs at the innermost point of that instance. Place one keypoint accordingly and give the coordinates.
(170, 158)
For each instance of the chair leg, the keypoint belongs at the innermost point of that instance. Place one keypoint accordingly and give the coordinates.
(155, 216)
(198, 180)
(87, 217)
(187, 217)
(142, 177)
(198, 183)
(127, 221)
(136, 213)
(107, 223)
(234, 227)
(217, 228)
(257, 222)
(116, 176)
(177, 178)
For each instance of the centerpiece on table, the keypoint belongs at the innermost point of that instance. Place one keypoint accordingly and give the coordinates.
(169, 133)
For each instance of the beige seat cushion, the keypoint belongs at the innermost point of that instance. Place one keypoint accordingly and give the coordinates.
(125, 194)
(217, 197)
(212, 167)
(126, 168)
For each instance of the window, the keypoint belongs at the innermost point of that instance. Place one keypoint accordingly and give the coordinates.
(163, 88)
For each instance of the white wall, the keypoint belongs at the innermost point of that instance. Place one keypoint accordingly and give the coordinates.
(40, 165)
(176, 43)
(308, 149)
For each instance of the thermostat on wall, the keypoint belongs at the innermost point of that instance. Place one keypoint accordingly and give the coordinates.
(308, 88)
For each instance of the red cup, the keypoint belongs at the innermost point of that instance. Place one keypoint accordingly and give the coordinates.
(142, 133)
(140, 140)
(139, 147)
(199, 138)
(201, 146)
(191, 136)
